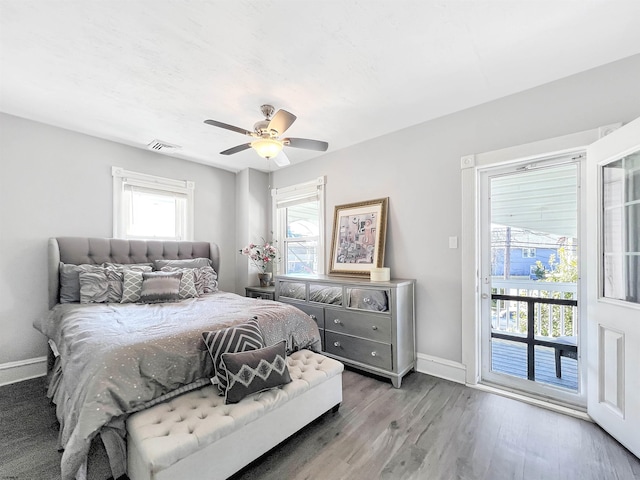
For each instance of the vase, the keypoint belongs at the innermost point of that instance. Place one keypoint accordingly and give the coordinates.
(265, 279)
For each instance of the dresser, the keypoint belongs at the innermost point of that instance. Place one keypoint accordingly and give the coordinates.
(367, 325)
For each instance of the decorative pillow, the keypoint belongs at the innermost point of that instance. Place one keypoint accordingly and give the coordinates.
(70, 280)
(115, 276)
(254, 371)
(186, 263)
(94, 287)
(142, 267)
(188, 284)
(205, 278)
(239, 338)
(131, 286)
(160, 287)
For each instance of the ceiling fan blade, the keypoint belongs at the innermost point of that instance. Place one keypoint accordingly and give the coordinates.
(236, 149)
(228, 127)
(281, 159)
(306, 143)
(281, 121)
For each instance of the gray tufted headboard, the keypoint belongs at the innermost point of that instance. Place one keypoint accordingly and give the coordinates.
(79, 250)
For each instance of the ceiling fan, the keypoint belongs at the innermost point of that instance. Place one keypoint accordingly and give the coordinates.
(266, 133)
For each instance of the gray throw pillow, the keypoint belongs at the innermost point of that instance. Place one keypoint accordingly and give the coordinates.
(160, 287)
(205, 278)
(131, 286)
(239, 338)
(186, 263)
(94, 287)
(115, 277)
(255, 371)
(70, 280)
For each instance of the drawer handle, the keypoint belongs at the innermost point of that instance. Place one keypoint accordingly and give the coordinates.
(373, 354)
(375, 327)
(336, 344)
(313, 317)
(336, 321)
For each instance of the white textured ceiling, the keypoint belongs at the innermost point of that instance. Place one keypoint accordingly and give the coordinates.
(136, 71)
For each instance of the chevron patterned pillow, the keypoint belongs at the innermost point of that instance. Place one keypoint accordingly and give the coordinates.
(239, 338)
(255, 371)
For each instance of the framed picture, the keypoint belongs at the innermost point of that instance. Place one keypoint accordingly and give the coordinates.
(359, 232)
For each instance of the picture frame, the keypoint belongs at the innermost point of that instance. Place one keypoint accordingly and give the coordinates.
(359, 235)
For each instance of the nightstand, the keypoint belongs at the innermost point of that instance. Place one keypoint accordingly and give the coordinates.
(265, 293)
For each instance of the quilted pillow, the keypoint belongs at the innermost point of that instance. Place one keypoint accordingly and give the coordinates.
(206, 280)
(239, 338)
(160, 287)
(70, 280)
(94, 287)
(254, 371)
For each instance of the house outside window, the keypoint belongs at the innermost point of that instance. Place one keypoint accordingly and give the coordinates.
(299, 227)
(528, 253)
(148, 207)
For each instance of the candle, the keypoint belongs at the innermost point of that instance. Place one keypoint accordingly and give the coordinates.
(380, 274)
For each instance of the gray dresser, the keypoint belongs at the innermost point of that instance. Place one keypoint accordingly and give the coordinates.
(367, 325)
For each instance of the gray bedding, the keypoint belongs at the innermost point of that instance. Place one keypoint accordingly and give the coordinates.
(118, 358)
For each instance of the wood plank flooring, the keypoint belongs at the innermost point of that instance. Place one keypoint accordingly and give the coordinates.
(429, 429)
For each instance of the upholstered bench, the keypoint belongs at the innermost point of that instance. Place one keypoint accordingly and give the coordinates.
(197, 436)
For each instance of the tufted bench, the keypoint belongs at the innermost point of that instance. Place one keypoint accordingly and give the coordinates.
(197, 436)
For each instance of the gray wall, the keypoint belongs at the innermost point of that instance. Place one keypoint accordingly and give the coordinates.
(55, 182)
(419, 170)
(252, 212)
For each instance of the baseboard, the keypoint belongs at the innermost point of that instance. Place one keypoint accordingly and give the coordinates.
(13, 372)
(441, 367)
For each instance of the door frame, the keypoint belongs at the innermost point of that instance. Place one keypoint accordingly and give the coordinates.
(470, 178)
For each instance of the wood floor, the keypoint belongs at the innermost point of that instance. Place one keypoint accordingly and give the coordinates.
(429, 429)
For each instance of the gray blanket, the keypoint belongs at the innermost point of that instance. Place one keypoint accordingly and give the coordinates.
(116, 359)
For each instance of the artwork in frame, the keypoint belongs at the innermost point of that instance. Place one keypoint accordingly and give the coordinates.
(359, 232)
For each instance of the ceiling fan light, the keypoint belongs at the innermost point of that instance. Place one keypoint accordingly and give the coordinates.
(267, 147)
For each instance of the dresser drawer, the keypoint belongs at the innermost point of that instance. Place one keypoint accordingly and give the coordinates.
(317, 313)
(364, 351)
(366, 325)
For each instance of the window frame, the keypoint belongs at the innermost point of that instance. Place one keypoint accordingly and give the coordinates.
(284, 197)
(123, 178)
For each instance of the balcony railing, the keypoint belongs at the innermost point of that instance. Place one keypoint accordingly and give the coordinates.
(537, 314)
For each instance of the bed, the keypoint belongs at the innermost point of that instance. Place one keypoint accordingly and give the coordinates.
(112, 359)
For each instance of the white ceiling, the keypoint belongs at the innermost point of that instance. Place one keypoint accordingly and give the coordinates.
(137, 71)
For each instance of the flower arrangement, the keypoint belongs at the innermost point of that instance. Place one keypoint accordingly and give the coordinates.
(261, 255)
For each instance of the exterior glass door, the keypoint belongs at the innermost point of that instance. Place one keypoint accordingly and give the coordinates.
(530, 273)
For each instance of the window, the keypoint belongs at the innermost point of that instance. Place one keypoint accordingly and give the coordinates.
(150, 207)
(528, 253)
(621, 223)
(299, 227)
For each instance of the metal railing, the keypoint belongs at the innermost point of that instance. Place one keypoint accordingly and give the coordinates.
(535, 313)
(551, 319)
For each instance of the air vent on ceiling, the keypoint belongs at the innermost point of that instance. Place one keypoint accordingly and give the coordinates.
(160, 146)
